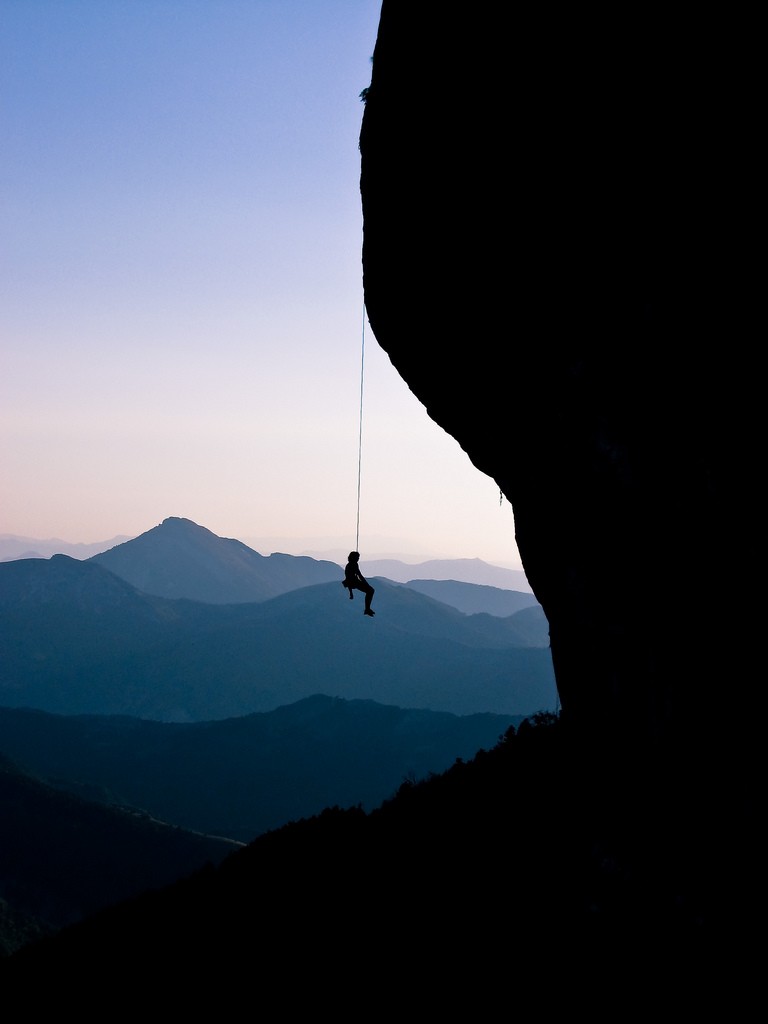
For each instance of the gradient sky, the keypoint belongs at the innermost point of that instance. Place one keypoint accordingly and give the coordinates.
(182, 311)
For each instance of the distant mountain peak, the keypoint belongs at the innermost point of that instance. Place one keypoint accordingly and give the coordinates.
(179, 559)
(181, 523)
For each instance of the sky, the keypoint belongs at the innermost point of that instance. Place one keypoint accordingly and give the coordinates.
(182, 323)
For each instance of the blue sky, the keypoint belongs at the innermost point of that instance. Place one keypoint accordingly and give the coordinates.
(182, 313)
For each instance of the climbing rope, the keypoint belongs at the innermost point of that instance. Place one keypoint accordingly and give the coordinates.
(360, 434)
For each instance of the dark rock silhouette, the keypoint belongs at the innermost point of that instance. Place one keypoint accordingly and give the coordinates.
(555, 260)
(564, 311)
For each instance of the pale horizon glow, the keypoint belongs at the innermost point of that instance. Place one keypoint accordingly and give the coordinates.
(183, 323)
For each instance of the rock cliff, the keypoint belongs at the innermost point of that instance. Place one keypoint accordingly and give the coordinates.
(556, 259)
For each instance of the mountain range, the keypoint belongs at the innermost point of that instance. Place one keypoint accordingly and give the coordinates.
(76, 637)
(178, 558)
(13, 545)
(466, 570)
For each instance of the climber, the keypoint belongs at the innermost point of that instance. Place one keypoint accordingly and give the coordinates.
(354, 580)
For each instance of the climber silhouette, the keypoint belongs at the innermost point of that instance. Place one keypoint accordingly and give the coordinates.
(354, 580)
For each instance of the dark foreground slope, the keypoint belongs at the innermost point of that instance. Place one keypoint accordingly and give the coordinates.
(63, 858)
(504, 878)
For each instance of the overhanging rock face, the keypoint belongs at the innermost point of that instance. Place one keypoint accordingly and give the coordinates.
(553, 261)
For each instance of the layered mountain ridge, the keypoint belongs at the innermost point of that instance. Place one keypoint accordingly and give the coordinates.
(79, 638)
